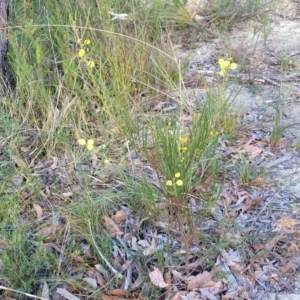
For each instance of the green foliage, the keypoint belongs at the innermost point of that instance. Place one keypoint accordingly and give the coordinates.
(79, 75)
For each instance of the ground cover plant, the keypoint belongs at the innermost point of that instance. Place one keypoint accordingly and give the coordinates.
(114, 182)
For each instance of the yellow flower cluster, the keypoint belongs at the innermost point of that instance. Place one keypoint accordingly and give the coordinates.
(182, 144)
(225, 65)
(175, 181)
(81, 53)
(89, 143)
(213, 132)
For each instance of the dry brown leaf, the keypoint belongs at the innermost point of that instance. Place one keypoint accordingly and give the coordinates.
(126, 265)
(251, 203)
(118, 292)
(178, 295)
(157, 279)
(230, 295)
(237, 268)
(257, 247)
(242, 195)
(293, 246)
(243, 293)
(143, 243)
(48, 230)
(100, 280)
(38, 209)
(270, 245)
(127, 236)
(107, 297)
(200, 280)
(90, 273)
(94, 160)
(288, 266)
(218, 288)
(91, 281)
(168, 280)
(207, 294)
(287, 223)
(231, 258)
(66, 294)
(77, 258)
(261, 276)
(254, 150)
(45, 291)
(111, 227)
(179, 275)
(152, 247)
(120, 216)
(55, 161)
(257, 182)
(193, 295)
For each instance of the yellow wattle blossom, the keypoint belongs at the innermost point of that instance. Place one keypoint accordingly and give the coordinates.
(81, 53)
(177, 175)
(233, 66)
(81, 142)
(169, 183)
(78, 41)
(106, 161)
(90, 64)
(184, 140)
(90, 144)
(90, 147)
(179, 182)
(225, 65)
(171, 132)
(87, 42)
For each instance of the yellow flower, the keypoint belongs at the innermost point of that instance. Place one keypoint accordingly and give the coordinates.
(81, 142)
(78, 41)
(106, 161)
(225, 65)
(179, 182)
(90, 64)
(177, 175)
(90, 142)
(87, 42)
(90, 147)
(221, 62)
(222, 73)
(171, 132)
(169, 183)
(81, 52)
(169, 123)
(183, 140)
(233, 66)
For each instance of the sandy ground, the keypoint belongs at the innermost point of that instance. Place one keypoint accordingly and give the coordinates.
(271, 55)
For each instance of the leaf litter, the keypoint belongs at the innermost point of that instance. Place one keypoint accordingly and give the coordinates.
(252, 225)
